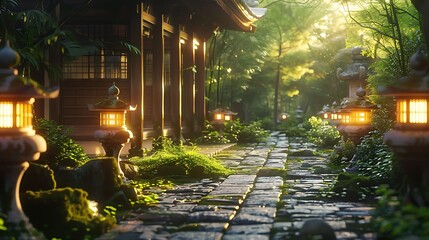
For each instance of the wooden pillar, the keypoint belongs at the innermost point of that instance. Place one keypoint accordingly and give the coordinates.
(176, 84)
(158, 76)
(136, 78)
(188, 85)
(200, 96)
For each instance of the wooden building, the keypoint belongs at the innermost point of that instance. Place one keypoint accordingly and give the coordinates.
(166, 80)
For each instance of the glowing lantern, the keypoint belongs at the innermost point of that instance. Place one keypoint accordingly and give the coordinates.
(113, 133)
(19, 143)
(326, 113)
(220, 116)
(409, 138)
(283, 117)
(358, 121)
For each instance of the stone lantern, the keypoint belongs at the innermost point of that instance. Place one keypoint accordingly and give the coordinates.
(220, 116)
(409, 138)
(113, 132)
(356, 72)
(326, 113)
(18, 141)
(358, 122)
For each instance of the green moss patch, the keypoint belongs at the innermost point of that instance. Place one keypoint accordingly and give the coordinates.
(175, 160)
(64, 213)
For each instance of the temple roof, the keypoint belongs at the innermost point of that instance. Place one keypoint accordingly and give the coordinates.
(227, 14)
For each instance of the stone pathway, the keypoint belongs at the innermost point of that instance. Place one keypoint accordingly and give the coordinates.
(250, 204)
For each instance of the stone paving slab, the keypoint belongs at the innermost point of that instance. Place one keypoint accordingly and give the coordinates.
(248, 206)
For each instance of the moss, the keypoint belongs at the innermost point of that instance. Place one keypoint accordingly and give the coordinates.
(269, 172)
(178, 161)
(352, 185)
(64, 213)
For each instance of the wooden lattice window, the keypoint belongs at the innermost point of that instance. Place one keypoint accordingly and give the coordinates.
(109, 62)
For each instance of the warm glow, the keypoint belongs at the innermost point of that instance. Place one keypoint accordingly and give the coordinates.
(284, 116)
(334, 116)
(112, 119)
(360, 117)
(345, 118)
(227, 117)
(401, 110)
(6, 114)
(196, 44)
(325, 116)
(218, 116)
(412, 110)
(16, 114)
(418, 111)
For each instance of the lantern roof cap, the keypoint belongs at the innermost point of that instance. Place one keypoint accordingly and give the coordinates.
(415, 84)
(360, 103)
(357, 70)
(223, 110)
(12, 85)
(112, 102)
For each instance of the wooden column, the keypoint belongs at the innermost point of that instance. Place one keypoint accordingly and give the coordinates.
(200, 101)
(158, 76)
(136, 78)
(188, 85)
(176, 84)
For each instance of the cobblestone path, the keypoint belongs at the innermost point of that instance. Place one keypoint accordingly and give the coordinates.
(260, 202)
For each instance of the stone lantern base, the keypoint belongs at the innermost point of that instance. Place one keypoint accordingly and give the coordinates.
(113, 140)
(14, 154)
(411, 149)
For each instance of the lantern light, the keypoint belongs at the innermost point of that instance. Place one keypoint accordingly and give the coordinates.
(220, 116)
(113, 133)
(19, 143)
(358, 121)
(284, 116)
(409, 138)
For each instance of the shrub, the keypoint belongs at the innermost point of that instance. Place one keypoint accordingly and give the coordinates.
(234, 131)
(342, 153)
(294, 129)
(394, 219)
(245, 133)
(171, 159)
(211, 136)
(374, 158)
(352, 186)
(321, 133)
(62, 150)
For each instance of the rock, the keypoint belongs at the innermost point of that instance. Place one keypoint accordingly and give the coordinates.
(64, 213)
(302, 153)
(99, 177)
(316, 229)
(130, 170)
(37, 178)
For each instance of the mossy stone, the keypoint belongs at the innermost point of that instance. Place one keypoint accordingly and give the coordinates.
(64, 213)
(38, 178)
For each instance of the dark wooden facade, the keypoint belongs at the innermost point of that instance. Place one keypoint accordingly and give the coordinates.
(166, 81)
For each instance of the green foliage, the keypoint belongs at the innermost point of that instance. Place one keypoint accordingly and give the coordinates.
(211, 136)
(234, 131)
(293, 129)
(352, 186)
(394, 219)
(342, 153)
(64, 213)
(245, 133)
(374, 158)
(171, 159)
(145, 191)
(62, 150)
(321, 133)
